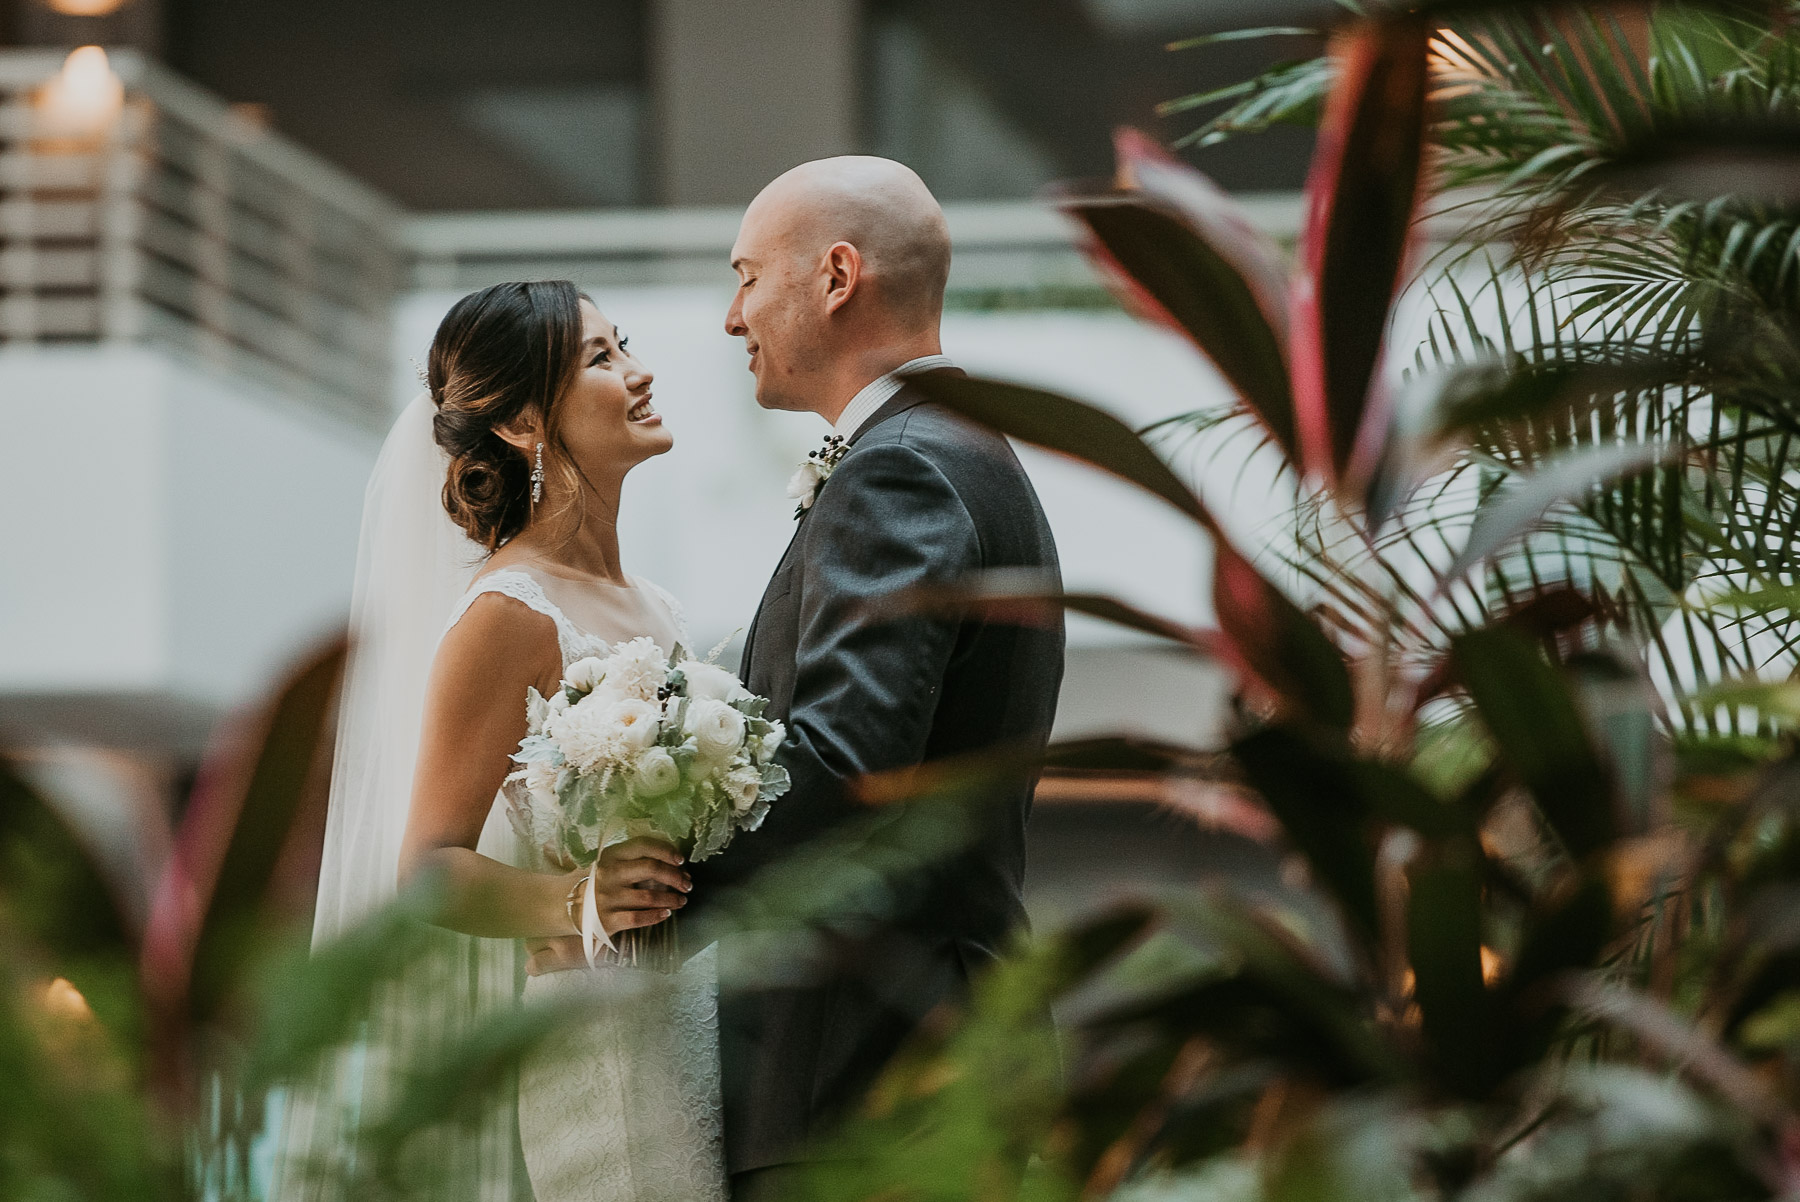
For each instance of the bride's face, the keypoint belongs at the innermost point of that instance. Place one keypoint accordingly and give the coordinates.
(606, 419)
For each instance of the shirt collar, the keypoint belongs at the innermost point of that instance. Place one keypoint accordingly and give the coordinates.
(880, 391)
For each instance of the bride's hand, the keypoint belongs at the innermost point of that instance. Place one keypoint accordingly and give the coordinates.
(638, 883)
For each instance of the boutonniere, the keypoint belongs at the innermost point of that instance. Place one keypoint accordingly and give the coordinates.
(812, 474)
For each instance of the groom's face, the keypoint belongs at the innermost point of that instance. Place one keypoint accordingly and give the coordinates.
(777, 311)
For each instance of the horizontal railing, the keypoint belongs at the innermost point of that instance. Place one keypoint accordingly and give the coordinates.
(167, 217)
(1006, 252)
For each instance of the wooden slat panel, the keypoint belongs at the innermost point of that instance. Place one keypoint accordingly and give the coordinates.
(16, 119)
(23, 218)
(19, 169)
(30, 267)
(23, 315)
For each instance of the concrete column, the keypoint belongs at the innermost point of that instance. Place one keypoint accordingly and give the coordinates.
(745, 89)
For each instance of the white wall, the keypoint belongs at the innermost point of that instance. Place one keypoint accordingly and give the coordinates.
(83, 600)
(173, 532)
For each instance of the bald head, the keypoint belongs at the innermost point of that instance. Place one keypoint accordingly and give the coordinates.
(880, 207)
(841, 268)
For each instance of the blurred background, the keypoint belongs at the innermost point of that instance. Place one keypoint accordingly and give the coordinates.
(227, 237)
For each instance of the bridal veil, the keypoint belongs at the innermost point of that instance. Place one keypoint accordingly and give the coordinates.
(413, 565)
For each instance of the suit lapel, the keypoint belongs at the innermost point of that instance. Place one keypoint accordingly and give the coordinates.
(781, 566)
(906, 398)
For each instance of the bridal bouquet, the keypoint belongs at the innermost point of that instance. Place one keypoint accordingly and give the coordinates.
(637, 744)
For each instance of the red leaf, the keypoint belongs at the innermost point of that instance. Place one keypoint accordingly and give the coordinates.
(1270, 641)
(1362, 199)
(1267, 638)
(247, 850)
(1182, 253)
(1027, 597)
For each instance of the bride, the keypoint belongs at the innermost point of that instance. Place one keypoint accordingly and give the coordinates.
(537, 410)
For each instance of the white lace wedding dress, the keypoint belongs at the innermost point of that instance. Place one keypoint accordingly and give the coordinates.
(622, 1104)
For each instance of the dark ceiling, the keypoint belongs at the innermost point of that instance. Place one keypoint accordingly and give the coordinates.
(468, 104)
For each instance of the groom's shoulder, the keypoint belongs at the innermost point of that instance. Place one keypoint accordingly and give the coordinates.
(949, 441)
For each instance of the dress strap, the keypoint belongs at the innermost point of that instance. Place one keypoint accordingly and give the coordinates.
(523, 588)
(677, 614)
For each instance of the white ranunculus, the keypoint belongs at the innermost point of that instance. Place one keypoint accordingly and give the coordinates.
(771, 743)
(804, 486)
(718, 730)
(585, 674)
(742, 785)
(638, 668)
(711, 681)
(657, 773)
(559, 701)
(639, 722)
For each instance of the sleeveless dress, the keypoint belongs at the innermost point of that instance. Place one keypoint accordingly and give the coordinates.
(622, 1104)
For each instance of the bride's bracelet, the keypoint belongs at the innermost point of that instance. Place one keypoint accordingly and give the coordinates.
(574, 899)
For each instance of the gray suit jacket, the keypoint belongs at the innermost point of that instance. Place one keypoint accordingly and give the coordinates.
(922, 496)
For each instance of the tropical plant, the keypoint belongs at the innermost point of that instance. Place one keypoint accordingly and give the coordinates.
(107, 1025)
(136, 1061)
(1615, 190)
(1525, 962)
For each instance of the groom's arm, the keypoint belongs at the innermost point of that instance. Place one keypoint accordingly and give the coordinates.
(865, 687)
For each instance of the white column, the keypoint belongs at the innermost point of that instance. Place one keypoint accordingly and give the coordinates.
(745, 89)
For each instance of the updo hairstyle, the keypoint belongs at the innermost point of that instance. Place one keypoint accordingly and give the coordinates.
(500, 355)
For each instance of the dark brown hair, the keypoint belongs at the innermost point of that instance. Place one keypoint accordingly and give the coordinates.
(502, 354)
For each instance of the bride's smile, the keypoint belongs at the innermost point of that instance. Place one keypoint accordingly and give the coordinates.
(611, 422)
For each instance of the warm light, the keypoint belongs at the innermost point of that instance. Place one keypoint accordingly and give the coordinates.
(1456, 67)
(84, 97)
(65, 1001)
(1492, 966)
(86, 8)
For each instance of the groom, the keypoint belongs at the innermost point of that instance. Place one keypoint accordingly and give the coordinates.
(841, 270)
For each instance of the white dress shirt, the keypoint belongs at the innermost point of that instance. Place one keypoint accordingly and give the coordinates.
(880, 391)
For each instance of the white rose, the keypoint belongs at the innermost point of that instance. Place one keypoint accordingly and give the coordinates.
(657, 773)
(711, 681)
(559, 702)
(639, 722)
(804, 486)
(584, 675)
(718, 729)
(637, 669)
(742, 785)
(771, 743)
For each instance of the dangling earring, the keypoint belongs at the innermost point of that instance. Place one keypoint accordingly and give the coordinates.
(537, 476)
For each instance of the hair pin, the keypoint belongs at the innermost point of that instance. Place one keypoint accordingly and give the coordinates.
(419, 370)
